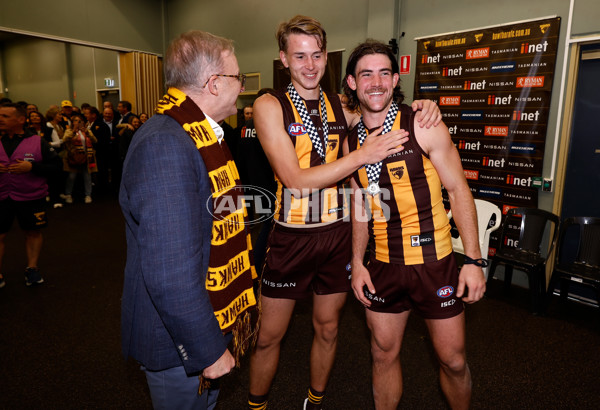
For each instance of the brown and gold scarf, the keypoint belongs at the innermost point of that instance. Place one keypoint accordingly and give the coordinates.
(231, 272)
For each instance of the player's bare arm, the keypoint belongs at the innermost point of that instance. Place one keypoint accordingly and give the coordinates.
(437, 143)
(428, 114)
(360, 238)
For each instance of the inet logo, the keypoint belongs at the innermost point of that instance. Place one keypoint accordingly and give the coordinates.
(527, 48)
(471, 146)
(427, 59)
(451, 72)
(493, 100)
(474, 85)
(512, 180)
(519, 115)
(493, 163)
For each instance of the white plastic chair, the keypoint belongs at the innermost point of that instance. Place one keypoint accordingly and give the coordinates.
(485, 211)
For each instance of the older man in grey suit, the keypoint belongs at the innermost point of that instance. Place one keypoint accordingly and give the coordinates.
(177, 319)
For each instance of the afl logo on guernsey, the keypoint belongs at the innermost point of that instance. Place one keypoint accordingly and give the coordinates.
(296, 129)
(445, 291)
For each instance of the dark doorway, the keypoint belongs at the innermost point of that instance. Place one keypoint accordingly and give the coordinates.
(582, 179)
(109, 95)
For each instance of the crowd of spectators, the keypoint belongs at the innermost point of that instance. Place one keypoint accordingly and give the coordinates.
(43, 156)
(102, 138)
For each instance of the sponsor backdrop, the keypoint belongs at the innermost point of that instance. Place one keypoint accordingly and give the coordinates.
(493, 86)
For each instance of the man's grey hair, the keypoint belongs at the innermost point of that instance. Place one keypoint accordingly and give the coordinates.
(193, 57)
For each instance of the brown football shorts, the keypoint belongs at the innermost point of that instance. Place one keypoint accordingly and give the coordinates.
(301, 261)
(429, 288)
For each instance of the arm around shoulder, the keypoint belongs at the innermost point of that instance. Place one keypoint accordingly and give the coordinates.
(280, 151)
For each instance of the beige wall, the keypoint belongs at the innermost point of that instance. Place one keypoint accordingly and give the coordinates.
(46, 72)
(147, 25)
(134, 24)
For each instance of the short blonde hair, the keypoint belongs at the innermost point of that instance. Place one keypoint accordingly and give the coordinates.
(301, 25)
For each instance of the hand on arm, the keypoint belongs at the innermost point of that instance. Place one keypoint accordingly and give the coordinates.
(444, 156)
(268, 120)
(429, 115)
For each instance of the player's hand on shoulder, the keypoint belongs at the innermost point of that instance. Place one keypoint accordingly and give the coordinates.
(429, 114)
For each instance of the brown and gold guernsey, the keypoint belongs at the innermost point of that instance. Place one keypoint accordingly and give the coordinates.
(408, 223)
(325, 205)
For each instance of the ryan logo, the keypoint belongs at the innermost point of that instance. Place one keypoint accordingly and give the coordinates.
(296, 129)
(445, 291)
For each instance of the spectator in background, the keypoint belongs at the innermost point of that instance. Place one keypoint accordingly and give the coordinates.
(25, 159)
(113, 151)
(56, 180)
(108, 116)
(108, 104)
(55, 123)
(102, 133)
(126, 132)
(124, 109)
(233, 138)
(77, 139)
(30, 108)
(66, 109)
(37, 125)
(143, 117)
(248, 112)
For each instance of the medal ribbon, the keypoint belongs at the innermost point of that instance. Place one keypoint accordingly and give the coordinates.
(307, 121)
(374, 170)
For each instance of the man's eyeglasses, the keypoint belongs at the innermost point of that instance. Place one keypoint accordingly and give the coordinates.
(240, 77)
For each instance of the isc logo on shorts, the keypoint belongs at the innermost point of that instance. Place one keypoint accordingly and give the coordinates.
(296, 129)
(445, 291)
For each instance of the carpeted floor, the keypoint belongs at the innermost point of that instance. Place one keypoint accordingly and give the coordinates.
(60, 342)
